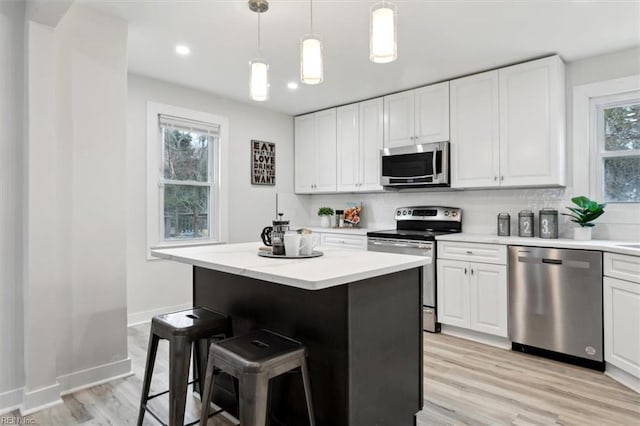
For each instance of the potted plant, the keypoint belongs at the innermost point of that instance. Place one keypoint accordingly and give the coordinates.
(325, 214)
(586, 212)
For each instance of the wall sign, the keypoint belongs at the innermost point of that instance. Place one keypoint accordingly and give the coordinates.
(263, 163)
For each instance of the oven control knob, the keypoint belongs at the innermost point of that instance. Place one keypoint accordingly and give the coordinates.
(404, 212)
(446, 212)
(398, 212)
(409, 212)
(454, 214)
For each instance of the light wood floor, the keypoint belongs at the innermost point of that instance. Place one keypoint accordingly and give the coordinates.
(465, 383)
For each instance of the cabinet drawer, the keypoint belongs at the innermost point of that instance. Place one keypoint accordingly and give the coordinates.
(622, 266)
(473, 252)
(348, 241)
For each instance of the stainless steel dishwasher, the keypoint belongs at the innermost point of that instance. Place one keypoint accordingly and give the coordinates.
(555, 304)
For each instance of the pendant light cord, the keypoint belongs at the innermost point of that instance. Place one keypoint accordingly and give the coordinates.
(259, 53)
(311, 15)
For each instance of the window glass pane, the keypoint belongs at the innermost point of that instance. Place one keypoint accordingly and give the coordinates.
(622, 128)
(186, 212)
(622, 179)
(186, 155)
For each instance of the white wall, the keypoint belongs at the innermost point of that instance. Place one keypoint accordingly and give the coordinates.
(481, 207)
(155, 286)
(11, 122)
(75, 265)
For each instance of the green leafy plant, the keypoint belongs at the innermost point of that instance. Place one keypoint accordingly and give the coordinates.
(325, 211)
(586, 212)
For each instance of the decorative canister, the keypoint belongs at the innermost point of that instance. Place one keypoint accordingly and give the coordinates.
(548, 223)
(525, 223)
(504, 224)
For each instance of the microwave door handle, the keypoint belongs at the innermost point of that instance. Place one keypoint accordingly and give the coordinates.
(434, 154)
(410, 177)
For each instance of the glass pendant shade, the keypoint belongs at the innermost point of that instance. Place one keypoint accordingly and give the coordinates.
(383, 46)
(259, 80)
(311, 59)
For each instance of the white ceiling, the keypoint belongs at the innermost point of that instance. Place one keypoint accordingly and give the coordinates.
(437, 40)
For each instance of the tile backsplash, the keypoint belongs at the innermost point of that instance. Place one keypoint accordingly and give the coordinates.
(480, 209)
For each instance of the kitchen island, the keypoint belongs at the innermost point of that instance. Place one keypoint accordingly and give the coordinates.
(358, 312)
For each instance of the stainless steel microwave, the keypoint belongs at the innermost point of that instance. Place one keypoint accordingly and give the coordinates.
(415, 166)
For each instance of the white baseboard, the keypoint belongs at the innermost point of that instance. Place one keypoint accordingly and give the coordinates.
(137, 318)
(94, 376)
(10, 400)
(43, 398)
(487, 339)
(40, 399)
(623, 377)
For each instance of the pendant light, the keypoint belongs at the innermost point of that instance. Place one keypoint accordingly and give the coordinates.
(259, 79)
(383, 46)
(311, 55)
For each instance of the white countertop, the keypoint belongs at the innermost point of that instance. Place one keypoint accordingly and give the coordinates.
(603, 245)
(337, 266)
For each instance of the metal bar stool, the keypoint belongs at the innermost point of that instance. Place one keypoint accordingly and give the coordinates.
(182, 329)
(254, 359)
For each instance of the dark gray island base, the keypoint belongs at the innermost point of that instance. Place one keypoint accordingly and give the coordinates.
(364, 340)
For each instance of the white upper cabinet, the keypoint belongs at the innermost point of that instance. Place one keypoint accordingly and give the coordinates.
(417, 116)
(532, 131)
(359, 144)
(371, 140)
(507, 126)
(315, 152)
(398, 119)
(475, 139)
(432, 113)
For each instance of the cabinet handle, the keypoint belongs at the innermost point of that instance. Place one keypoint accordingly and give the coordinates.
(469, 252)
(465, 271)
(471, 271)
(495, 178)
(501, 178)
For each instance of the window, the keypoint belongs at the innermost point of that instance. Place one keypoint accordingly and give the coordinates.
(185, 176)
(188, 149)
(616, 160)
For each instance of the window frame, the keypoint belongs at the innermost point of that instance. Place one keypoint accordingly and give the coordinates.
(599, 153)
(218, 183)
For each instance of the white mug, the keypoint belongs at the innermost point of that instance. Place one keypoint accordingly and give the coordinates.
(308, 242)
(292, 243)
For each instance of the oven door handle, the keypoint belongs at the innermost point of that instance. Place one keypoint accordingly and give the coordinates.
(401, 245)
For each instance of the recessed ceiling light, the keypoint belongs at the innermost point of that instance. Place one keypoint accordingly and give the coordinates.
(293, 85)
(183, 50)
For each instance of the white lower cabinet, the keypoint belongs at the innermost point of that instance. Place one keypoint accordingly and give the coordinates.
(344, 241)
(621, 303)
(473, 295)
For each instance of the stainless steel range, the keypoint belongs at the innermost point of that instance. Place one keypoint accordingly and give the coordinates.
(415, 234)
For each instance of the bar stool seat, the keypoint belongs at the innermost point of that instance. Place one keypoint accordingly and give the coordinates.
(182, 329)
(254, 359)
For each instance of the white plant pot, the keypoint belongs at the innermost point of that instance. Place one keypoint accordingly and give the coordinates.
(582, 234)
(325, 221)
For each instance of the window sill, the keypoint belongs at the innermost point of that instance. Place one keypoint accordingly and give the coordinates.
(173, 244)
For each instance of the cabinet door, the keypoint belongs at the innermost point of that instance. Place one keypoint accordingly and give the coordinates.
(475, 143)
(622, 324)
(398, 119)
(348, 153)
(371, 139)
(432, 113)
(305, 145)
(488, 298)
(532, 123)
(325, 151)
(453, 293)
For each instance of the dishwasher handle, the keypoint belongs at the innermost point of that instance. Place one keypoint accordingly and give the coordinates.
(552, 261)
